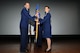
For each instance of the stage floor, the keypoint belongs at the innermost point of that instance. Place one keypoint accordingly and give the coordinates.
(70, 46)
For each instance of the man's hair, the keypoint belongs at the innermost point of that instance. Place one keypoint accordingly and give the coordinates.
(25, 2)
(48, 7)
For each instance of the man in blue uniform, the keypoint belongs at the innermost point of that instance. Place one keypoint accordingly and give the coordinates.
(25, 16)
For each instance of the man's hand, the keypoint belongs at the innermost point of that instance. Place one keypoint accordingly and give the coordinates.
(37, 15)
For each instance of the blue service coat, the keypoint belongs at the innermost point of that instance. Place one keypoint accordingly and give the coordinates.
(25, 16)
(46, 26)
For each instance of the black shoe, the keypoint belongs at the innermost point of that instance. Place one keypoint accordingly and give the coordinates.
(48, 50)
(27, 50)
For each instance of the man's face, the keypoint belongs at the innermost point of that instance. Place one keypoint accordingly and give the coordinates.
(47, 9)
(27, 5)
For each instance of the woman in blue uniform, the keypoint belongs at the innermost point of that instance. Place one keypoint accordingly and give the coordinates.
(47, 27)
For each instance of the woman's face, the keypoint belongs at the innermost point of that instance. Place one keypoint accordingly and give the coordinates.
(47, 9)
